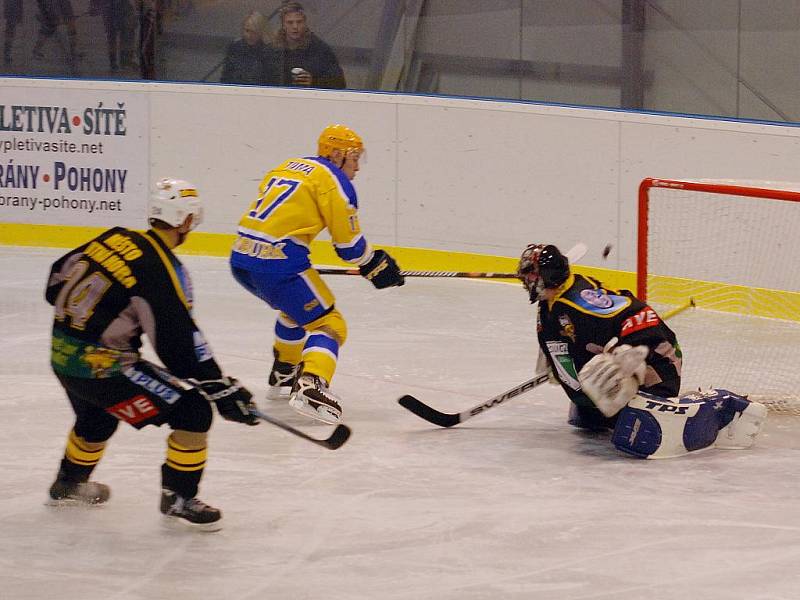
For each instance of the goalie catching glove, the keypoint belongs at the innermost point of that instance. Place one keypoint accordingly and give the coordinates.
(233, 400)
(612, 379)
(382, 271)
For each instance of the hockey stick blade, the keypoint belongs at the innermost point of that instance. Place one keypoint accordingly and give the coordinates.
(577, 252)
(442, 419)
(429, 414)
(336, 440)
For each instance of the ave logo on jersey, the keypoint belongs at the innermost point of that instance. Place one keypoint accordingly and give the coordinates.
(645, 318)
(134, 410)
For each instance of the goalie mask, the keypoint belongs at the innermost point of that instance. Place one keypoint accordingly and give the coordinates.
(173, 200)
(541, 267)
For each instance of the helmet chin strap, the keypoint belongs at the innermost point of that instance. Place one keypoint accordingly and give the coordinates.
(184, 228)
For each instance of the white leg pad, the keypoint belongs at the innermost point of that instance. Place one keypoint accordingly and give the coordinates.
(653, 427)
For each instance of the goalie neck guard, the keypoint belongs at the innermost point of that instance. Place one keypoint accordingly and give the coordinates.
(542, 266)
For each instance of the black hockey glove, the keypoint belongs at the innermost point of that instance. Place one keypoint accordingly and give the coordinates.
(382, 271)
(233, 400)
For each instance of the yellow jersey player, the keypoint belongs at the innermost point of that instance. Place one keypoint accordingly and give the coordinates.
(106, 293)
(270, 258)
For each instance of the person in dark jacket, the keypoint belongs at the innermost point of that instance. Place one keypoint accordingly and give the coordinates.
(249, 60)
(303, 59)
(119, 23)
(12, 12)
(53, 13)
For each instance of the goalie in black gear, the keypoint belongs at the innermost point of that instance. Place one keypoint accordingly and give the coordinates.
(106, 293)
(579, 325)
(576, 318)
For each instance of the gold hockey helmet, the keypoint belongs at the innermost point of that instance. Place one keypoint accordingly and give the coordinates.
(338, 137)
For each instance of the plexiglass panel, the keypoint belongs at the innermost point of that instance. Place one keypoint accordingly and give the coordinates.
(729, 58)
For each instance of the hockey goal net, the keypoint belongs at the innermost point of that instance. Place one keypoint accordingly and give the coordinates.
(732, 250)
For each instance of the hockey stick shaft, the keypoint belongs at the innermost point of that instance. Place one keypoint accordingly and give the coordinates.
(442, 419)
(679, 309)
(461, 274)
(332, 442)
(574, 254)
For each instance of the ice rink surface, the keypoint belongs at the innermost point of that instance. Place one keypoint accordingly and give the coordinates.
(513, 504)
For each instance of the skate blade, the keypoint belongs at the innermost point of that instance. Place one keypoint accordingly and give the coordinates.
(322, 413)
(278, 394)
(178, 524)
(72, 503)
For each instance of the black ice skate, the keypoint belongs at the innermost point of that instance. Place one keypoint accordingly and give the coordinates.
(281, 379)
(189, 513)
(70, 493)
(311, 397)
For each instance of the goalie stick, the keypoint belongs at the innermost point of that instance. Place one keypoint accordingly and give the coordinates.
(449, 419)
(441, 419)
(332, 442)
(573, 254)
(436, 417)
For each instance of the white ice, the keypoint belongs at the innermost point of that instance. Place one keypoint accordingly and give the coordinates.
(513, 504)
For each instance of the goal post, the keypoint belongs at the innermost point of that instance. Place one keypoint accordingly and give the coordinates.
(731, 251)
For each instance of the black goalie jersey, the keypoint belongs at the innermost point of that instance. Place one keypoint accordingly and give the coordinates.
(112, 289)
(578, 322)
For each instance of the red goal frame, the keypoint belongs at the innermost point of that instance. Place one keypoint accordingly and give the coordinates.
(713, 188)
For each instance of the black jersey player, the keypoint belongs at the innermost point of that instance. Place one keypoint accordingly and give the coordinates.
(106, 294)
(578, 316)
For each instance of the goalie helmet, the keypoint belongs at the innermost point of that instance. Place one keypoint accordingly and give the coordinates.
(541, 267)
(338, 137)
(173, 200)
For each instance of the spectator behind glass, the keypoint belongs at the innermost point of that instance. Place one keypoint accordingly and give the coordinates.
(51, 14)
(119, 23)
(12, 12)
(303, 58)
(249, 59)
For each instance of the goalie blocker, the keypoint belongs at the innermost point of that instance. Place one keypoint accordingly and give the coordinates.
(650, 426)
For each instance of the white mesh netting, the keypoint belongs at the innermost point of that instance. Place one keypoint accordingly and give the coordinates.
(737, 257)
